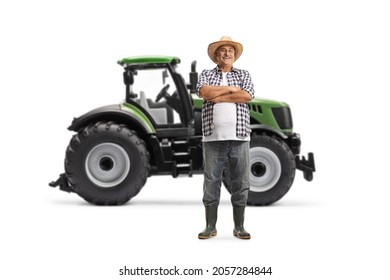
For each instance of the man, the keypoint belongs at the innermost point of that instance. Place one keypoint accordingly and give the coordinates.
(226, 133)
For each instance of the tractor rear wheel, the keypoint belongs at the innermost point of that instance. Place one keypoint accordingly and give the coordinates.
(107, 163)
(272, 170)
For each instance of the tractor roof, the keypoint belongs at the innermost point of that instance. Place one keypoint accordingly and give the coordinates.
(155, 59)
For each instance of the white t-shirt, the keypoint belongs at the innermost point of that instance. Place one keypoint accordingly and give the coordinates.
(225, 120)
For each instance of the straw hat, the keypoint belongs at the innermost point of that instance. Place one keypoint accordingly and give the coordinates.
(225, 40)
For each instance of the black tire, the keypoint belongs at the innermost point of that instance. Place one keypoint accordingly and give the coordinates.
(272, 170)
(107, 163)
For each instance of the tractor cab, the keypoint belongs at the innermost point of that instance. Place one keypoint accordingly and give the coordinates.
(154, 86)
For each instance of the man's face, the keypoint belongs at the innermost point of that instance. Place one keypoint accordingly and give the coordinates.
(225, 55)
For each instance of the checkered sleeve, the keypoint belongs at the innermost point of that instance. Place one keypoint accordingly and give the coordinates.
(247, 83)
(207, 109)
(202, 80)
(243, 129)
(242, 79)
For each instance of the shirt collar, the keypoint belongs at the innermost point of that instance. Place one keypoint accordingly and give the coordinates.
(217, 69)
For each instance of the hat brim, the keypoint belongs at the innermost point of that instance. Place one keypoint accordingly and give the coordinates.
(214, 46)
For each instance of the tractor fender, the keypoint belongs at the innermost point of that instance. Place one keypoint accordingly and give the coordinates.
(266, 128)
(124, 113)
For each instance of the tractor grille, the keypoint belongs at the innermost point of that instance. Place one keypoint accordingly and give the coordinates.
(283, 117)
(255, 108)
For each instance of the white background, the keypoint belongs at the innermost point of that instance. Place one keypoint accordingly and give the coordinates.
(329, 60)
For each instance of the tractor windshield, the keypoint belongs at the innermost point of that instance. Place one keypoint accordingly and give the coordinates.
(154, 88)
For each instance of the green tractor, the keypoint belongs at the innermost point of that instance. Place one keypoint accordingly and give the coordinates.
(117, 147)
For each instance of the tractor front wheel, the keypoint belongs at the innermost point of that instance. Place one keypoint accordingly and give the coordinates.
(107, 163)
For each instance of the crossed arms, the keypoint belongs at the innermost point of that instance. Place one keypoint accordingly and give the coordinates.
(218, 94)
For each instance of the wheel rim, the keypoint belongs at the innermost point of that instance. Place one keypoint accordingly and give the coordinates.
(265, 169)
(107, 165)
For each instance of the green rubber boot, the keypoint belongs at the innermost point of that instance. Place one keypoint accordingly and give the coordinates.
(238, 216)
(211, 220)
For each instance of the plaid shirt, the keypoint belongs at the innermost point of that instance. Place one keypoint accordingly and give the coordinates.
(236, 77)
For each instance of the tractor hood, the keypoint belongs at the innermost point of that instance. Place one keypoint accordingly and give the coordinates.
(269, 103)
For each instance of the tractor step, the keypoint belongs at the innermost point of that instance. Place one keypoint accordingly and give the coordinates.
(181, 158)
(183, 165)
(181, 154)
(182, 169)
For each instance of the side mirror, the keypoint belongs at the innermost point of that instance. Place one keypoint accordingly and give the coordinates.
(128, 78)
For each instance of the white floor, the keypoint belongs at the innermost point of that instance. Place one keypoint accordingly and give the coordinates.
(316, 231)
